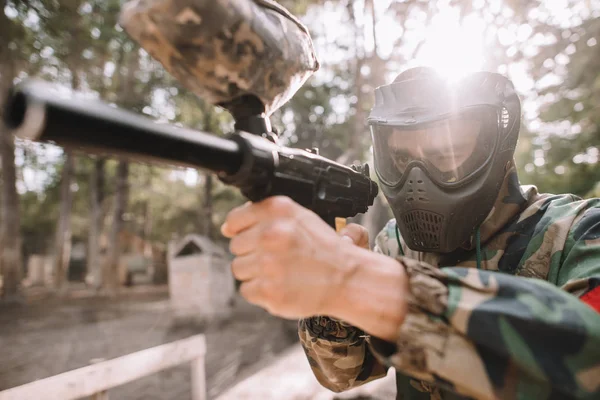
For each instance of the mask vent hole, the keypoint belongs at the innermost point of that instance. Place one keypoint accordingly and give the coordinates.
(505, 118)
(424, 228)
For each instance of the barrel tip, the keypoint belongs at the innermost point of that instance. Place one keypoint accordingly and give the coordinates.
(14, 110)
(22, 114)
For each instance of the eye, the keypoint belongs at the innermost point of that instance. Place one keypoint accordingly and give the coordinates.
(400, 156)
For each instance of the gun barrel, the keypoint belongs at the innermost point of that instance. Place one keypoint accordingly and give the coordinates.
(35, 111)
(255, 165)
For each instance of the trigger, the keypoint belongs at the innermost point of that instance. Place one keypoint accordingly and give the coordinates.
(340, 223)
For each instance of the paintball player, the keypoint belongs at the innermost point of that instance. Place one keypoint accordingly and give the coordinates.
(479, 288)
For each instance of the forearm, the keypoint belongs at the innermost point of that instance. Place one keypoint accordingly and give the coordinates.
(490, 335)
(372, 294)
(337, 350)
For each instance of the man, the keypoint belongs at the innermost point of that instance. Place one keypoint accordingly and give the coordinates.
(479, 288)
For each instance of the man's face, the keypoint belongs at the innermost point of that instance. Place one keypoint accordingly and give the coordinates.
(450, 150)
(446, 145)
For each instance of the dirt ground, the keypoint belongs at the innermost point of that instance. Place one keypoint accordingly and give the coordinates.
(48, 336)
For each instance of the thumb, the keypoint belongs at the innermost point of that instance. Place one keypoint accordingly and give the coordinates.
(356, 234)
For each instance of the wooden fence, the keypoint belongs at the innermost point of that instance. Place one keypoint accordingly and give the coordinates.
(95, 380)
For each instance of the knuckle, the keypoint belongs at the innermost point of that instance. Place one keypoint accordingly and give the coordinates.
(246, 292)
(234, 266)
(253, 291)
(269, 233)
(237, 268)
(234, 245)
(281, 205)
(279, 232)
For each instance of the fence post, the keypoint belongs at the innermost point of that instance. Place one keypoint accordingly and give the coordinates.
(198, 379)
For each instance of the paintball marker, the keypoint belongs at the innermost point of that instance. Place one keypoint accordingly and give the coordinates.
(247, 56)
(254, 164)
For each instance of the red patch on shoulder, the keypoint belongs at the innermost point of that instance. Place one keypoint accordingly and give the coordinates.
(592, 298)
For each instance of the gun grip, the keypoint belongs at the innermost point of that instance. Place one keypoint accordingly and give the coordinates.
(340, 223)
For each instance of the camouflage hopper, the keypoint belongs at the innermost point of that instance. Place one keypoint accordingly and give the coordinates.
(249, 57)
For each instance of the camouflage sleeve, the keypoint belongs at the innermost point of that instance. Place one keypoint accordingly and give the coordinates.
(338, 354)
(489, 335)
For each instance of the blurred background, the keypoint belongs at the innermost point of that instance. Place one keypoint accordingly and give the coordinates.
(87, 244)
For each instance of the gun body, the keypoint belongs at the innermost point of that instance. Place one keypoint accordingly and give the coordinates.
(255, 165)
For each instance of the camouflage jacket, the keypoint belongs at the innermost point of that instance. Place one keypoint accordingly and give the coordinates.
(524, 325)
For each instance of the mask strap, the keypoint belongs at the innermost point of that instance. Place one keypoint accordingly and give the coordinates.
(398, 240)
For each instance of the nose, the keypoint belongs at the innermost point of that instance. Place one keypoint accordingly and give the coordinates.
(416, 151)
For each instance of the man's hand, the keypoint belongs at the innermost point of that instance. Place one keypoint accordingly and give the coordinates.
(289, 260)
(294, 265)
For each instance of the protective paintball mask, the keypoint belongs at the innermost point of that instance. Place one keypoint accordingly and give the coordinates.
(440, 153)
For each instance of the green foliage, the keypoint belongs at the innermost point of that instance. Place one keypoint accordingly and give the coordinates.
(78, 43)
(563, 150)
(310, 119)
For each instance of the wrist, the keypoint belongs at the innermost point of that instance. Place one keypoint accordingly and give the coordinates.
(351, 263)
(371, 293)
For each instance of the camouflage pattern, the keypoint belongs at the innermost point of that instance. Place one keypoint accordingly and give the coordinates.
(229, 52)
(337, 354)
(526, 325)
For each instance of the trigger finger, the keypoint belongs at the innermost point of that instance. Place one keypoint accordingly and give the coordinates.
(358, 234)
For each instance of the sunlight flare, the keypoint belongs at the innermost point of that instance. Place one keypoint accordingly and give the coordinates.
(454, 46)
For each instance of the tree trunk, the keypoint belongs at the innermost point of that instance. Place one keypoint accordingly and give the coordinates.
(97, 198)
(208, 210)
(147, 231)
(11, 262)
(370, 4)
(378, 214)
(111, 266)
(358, 133)
(147, 224)
(126, 99)
(62, 255)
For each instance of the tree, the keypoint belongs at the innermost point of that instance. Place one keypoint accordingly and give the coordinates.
(566, 152)
(97, 194)
(129, 60)
(558, 47)
(10, 238)
(111, 276)
(62, 247)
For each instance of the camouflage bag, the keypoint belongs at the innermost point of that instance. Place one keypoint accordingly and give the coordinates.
(248, 56)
